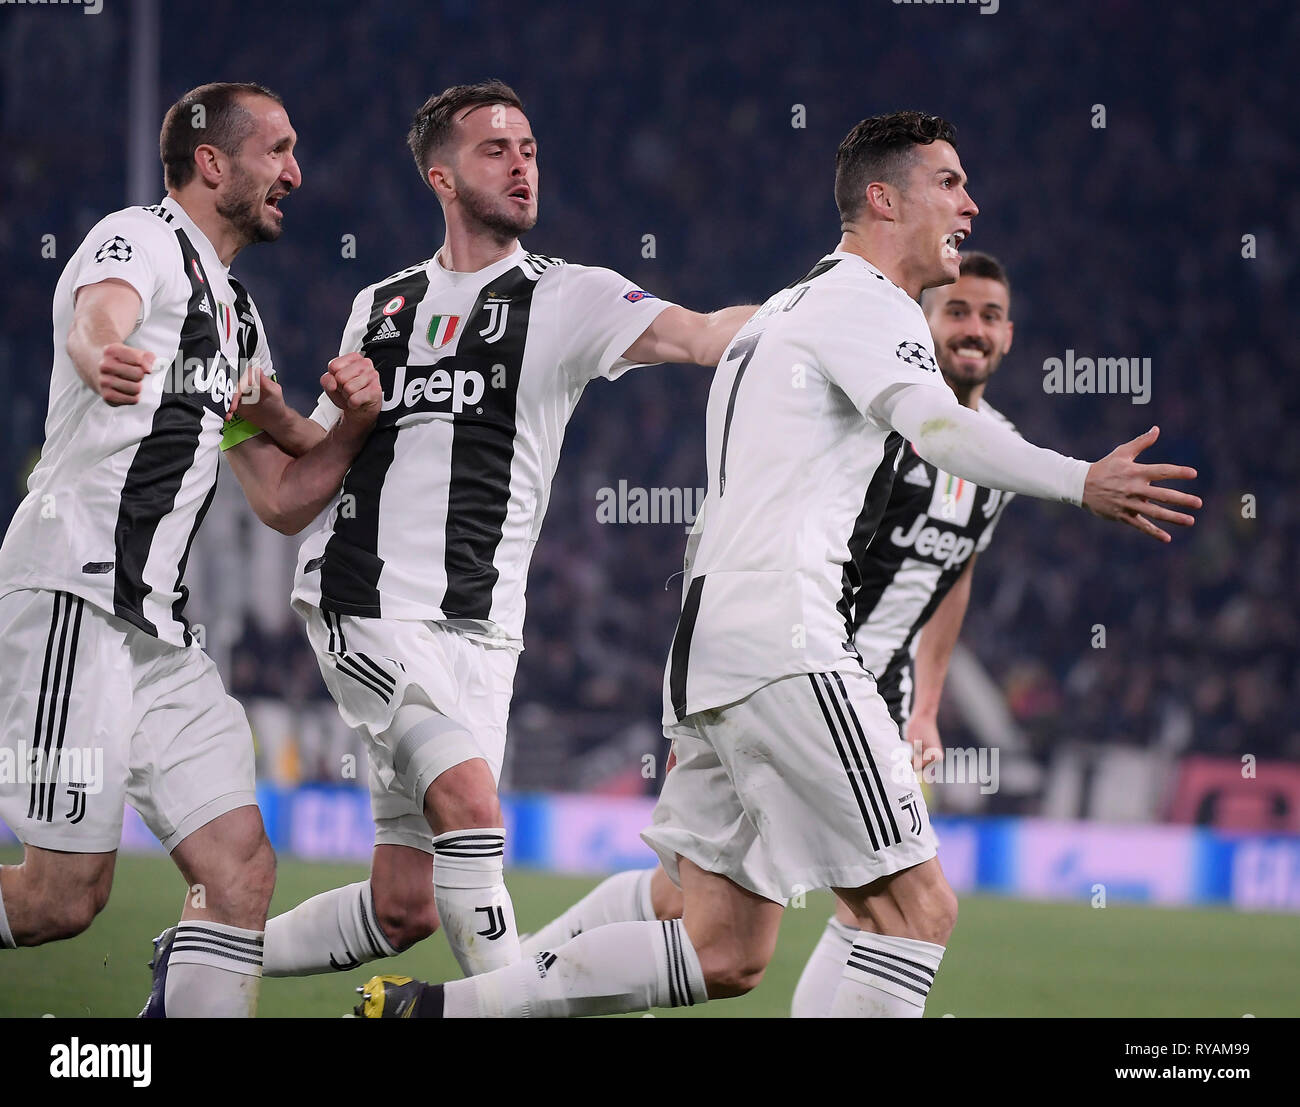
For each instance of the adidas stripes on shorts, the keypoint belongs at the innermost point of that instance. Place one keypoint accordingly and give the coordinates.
(95, 712)
(803, 784)
(374, 666)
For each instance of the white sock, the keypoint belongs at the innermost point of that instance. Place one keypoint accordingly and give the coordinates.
(469, 889)
(214, 972)
(333, 931)
(6, 935)
(628, 966)
(815, 992)
(886, 978)
(624, 897)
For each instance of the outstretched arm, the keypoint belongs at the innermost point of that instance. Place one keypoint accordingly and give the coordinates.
(286, 492)
(967, 444)
(679, 335)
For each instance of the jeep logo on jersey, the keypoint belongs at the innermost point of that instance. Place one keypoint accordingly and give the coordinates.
(212, 380)
(440, 387)
(937, 544)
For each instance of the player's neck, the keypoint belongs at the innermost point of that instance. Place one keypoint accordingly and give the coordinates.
(877, 251)
(468, 250)
(968, 395)
(225, 240)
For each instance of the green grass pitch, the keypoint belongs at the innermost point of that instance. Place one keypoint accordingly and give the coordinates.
(1007, 957)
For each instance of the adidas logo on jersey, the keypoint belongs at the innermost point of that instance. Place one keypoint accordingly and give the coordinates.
(387, 329)
(917, 475)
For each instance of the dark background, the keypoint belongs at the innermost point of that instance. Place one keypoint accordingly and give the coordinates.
(675, 121)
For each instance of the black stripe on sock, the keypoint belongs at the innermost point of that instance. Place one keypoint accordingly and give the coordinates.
(895, 957)
(871, 970)
(679, 954)
(858, 956)
(194, 930)
(370, 934)
(674, 1000)
(194, 947)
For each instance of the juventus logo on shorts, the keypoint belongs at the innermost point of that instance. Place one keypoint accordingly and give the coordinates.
(77, 812)
(908, 804)
(496, 923)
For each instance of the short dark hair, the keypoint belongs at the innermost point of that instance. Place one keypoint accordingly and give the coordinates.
(434, 123)
(975, 264)
(882, 149)
(226, 123)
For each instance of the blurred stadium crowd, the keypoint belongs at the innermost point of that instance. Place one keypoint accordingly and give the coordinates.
(676, 124)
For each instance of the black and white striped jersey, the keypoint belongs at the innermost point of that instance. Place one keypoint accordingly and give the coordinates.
(933, 524)
(119, 492)
(800, 462)
(439, 513)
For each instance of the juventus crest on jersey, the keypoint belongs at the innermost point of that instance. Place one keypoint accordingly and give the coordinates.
(933, 524)
(118, 494)
(439, 513)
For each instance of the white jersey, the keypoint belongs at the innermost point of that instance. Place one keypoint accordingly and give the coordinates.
(439, 513)
(118, 495)
(799, 461)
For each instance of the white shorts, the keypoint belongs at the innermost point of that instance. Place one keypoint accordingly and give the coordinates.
(95, 712)
(372, 667)
(801, 785)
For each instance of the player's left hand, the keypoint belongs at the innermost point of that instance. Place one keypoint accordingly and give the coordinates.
(927, 747)
(1121, 488)
(352, 384)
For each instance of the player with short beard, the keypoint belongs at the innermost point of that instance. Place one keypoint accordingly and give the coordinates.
(413, 589)
(95, 648)
(779, 732)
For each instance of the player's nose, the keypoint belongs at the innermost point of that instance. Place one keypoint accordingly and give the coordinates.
(291, 174)
(969, 209)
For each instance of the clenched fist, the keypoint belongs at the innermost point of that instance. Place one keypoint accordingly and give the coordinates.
(352, 384)
(119, 372)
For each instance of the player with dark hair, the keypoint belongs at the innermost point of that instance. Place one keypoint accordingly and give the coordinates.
(106, 694)
(413, 588)
(911, 587)
(783, 744)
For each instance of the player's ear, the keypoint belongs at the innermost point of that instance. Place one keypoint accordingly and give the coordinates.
(881, 199)
(209, 164)
(440, 179)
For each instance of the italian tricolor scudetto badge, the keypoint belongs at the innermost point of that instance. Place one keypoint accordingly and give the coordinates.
(442, 329)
